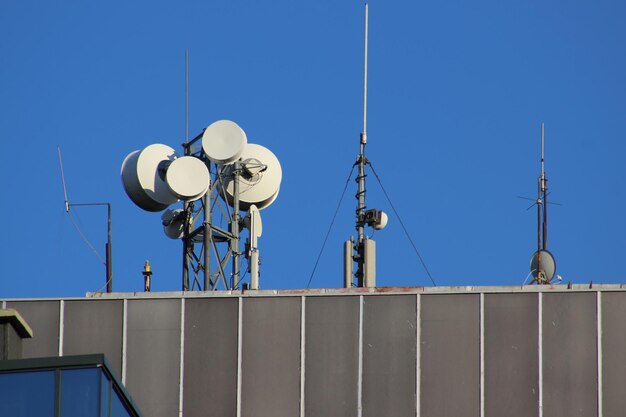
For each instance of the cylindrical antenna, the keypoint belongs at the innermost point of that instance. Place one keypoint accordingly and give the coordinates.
(544, 191)
(542, 162)
(109, 249)
(186, 95)
(365, 78)
(361, 159)
(187, 207)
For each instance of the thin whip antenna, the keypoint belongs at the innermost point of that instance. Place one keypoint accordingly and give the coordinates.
(67, 203)
(542, 147)
(186, 95)
(365, 75)
(363, 141)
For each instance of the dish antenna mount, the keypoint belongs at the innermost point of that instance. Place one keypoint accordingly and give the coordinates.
(362, 250)
(220, 178)
(225, 178)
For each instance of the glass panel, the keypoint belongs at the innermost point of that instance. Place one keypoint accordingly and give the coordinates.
(80, 392)
(26, 394)
(118, 409)
(105, 395)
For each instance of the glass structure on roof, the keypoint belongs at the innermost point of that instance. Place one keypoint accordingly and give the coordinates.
(79, 386)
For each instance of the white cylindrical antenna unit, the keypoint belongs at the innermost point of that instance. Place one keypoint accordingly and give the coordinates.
(188, 178)
(255, 226)
(369, 263)
(143, 176)
(224, 141)
(259, 182)
(547, 268)
(348, 263)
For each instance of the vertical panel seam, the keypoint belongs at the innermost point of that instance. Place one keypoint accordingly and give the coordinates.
(61, 329)
(418, 355)
(181, 374)
(360, 370)
(540, 350)
(599, 350)
(302, 355)
(482, 353)
(124, 338)
(239, 354)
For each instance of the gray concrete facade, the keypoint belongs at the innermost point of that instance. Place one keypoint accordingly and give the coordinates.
(467, 351)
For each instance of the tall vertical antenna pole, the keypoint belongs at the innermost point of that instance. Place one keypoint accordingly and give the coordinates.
(187, 207)
(544, 191)
(109, 251)
(361, 178)
(360, 212)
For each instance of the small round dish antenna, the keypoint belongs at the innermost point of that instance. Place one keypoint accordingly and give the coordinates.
(259, 182)
(173, 223)
(543, 265)
(224, 141)
(188, 178)
(143, 176)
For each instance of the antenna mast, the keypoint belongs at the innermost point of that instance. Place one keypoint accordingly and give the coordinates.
(361, 160)
(363, 250)
(108, 246)
(543, 265)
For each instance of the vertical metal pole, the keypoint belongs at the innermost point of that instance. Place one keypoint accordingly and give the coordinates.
(109, 281)
(187, 245)
(185, 286)
(539, 280)
(207, 240)
(360, 211)
(544, 189)
(234, 226)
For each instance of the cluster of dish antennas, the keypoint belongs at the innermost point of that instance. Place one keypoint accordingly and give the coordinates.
(157, 177)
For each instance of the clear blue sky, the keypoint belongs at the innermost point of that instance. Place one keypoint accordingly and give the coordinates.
(457, 92)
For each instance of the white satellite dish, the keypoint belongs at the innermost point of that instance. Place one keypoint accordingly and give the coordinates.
(143, 176)
(224, 141)
(259, 181)
(546, 265)
(173, 223)
(188, 178)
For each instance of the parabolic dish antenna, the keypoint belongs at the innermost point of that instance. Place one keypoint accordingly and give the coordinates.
(547, 265)
(224, 141)
(143, 176)
(259, 181)
(173, 223)
(188, 178)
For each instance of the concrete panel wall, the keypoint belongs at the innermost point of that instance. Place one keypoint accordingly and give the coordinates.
(389, 355)
(450, 355)
(43, 319)
(94, 326)
(466, 354)
(613, 305)
(332, 365)
(511, 355)
(210, 368)
(569, 350)
(270, 376)
(153, 355)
